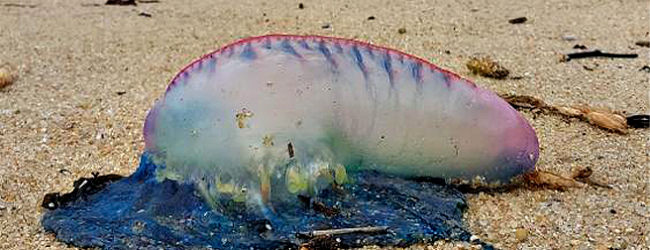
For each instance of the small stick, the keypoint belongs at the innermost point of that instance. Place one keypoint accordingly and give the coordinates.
(372, 229)
(597, 53)
(518, 20)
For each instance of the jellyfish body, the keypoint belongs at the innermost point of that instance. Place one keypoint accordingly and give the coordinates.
(274, 116)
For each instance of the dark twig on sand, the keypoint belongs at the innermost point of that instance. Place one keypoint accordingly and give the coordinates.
(339, 231)
(518, 20)
(18, 5)
(645, 68)
(596, 53)
(121, 2)
(643, 43)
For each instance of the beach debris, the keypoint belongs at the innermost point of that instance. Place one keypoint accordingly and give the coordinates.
(613, 121)
(524, 101)
(543, 179)
(401, 30)
(371, 18)
(600, 117)
(6, 76)
(645, 68)
(518, 20)
(580, 46)
(487, 67)
(569, 38)
(19, 5)
(301, 6)
(643, 43)
(587, 68)
(638, 121)
(535, 180)
(326, 26)
(120, 92)
(120, 2)
(583, 175)
(604, 119)
(144, 14)
(596, 53)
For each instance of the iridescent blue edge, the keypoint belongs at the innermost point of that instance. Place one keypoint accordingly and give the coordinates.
(139, 212)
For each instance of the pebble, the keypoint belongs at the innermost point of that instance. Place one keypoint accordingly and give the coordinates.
(569, 38)
(521, 234)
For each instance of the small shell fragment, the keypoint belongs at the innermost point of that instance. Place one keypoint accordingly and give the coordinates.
(6, 78)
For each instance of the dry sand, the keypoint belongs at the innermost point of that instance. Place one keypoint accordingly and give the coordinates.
(87, 74)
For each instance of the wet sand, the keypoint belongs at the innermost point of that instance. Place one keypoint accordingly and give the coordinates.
(88, 73)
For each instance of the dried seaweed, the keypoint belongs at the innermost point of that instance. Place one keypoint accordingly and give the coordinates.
(487, 67)
(605, 119)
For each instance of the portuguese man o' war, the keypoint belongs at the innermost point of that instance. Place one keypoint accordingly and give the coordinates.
(275, 130)
(308, 108)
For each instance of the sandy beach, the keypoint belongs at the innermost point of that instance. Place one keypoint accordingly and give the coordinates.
(86, 74)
